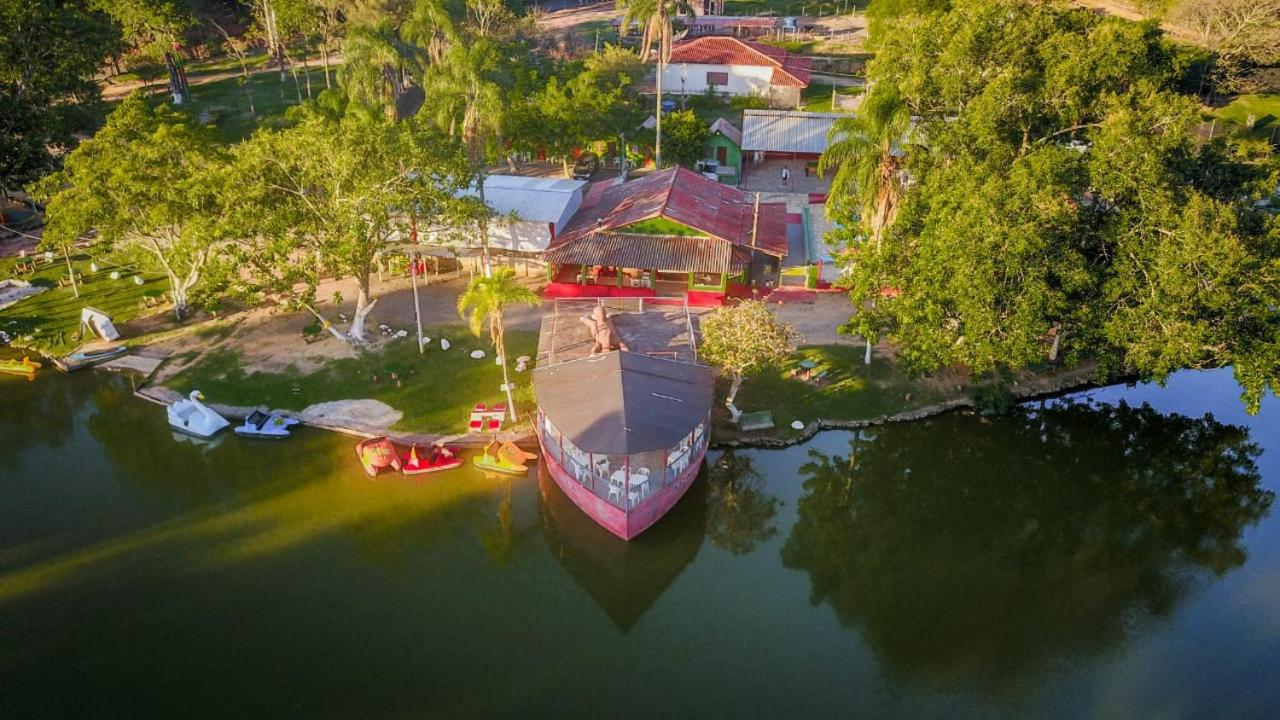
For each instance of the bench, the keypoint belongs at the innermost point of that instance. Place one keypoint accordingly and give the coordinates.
(758, 420)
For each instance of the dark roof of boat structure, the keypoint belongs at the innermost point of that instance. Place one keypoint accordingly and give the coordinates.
(623, 402)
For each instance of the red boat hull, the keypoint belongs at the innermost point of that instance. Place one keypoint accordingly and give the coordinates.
(623, 523)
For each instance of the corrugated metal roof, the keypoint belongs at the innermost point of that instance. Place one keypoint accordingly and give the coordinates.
(726, 128)
(659, 252)
(531, 198)
(786, 130)
(687, 198)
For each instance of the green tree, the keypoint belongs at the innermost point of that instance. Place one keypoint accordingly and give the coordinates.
(687, 137)
(150, 184)
(482, 304)
(49, 52)
(656, 17)
(377, 66)
(867, 151)
(468, 102)
(743, 339)
(1061, 204)
(322, 196)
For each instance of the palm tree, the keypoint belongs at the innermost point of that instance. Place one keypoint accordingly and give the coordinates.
(867, 152)
(431, 26)
(377, 65)
(468, 103)
(482, 304)
(655, 17)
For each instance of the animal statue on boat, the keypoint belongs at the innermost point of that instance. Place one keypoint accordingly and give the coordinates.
(603, 334)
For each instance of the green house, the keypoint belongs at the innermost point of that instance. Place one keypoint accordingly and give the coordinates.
(724, 148)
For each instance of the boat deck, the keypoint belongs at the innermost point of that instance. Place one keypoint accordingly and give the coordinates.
(661, 329)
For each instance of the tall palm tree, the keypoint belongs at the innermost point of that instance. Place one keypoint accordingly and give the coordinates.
(482, 303)
(432, 26)
(655, 17)
(867, 152)
(377, 65)
(469, 105)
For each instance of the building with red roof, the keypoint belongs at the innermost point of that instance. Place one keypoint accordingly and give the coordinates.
(673, 233)
(733, 66)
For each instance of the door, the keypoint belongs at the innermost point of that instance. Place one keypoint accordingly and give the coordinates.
(722, 155)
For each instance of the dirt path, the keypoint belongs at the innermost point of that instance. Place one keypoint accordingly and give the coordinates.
(271, 341)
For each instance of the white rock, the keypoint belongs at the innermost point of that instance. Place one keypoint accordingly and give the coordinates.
(797, 425)
(402, 333)
(444, 344)
(523, 359)
(425, 341)
(477, 354)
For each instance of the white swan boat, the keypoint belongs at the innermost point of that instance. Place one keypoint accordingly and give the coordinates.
(194, 417)
(265, 425)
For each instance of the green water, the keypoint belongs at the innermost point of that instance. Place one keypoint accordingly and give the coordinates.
(1091, 560)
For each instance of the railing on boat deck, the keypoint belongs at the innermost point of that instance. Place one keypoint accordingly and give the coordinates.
(552, 348)
(610, 477)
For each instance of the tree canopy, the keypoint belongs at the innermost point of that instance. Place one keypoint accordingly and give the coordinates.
(49, 51)
(1062, 201)
(150, 184)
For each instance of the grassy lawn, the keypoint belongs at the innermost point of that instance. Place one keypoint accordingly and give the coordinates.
(793, 8)
(850, 390)
(436, 393)
(1265, 110)
(817, 97)
(226, 102)
(48, 322)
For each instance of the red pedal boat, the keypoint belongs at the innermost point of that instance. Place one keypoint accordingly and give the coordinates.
(434, 458)
(377, 455)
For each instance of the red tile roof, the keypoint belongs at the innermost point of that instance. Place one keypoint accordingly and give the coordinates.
(685, 197)
(662, 252)
(788, 70)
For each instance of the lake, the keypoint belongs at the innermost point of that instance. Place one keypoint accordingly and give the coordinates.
(1111, 554)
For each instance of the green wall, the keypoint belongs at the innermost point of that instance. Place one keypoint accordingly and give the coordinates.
(733, 154)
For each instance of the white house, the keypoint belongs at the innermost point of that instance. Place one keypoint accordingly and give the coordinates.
(732, 66)
(529, 212)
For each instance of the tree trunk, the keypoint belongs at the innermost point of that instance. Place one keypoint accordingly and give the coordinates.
(506, 381)
(363, 307)
(324, 58)
(71, 272)
(484, 229)
(734, 387)
(179, 291)
(306, 69)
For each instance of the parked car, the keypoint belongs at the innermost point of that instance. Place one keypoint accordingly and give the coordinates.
(587, 165)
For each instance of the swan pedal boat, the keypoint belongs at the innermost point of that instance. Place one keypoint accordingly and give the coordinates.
(193, 417)
(377, 455)
(433, 459)
(265, 425)
(26, 367)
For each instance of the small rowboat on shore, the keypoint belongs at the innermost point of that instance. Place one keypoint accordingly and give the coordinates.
(88, 358)
(377, 455)
(419, 461)
(26, 367)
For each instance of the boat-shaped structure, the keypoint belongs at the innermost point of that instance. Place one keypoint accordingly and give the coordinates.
(193, 417)
(623, 432)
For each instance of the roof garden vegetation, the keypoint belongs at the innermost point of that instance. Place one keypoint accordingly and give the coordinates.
(662, 226)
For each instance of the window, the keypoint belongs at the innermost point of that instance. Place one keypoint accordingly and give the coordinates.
(717, 78)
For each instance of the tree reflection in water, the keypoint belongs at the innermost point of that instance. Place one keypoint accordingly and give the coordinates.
(1024, 541)
(739, 515)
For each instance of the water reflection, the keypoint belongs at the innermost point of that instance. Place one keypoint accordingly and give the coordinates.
(740, 515)
(624, 578)
(1021, 542)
